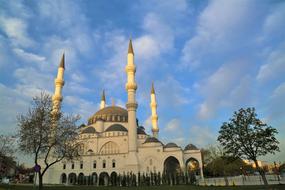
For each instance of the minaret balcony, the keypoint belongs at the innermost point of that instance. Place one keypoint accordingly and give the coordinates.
(131, 86)
(130, 68)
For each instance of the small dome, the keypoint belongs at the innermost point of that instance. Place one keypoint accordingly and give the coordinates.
(141, 130)
(110, 113)
(152, 140)
(116, 127)
(82, 125)
(191, 147)
(171, 145)
(89, 130)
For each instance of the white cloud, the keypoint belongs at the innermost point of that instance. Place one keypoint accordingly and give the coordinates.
(158, 28)
(81, 106)
(148, 125)
(229, 86)
(274, 26)
(147, 47)
(173, 132)
(219, 29)
(32, 77)
(78, 77)
(201, 136)
(112, 71)
(12, 103)
(178, 95)
(28, 56)
(274, 66)
(16, 30)
(276, 105)
(173, 125)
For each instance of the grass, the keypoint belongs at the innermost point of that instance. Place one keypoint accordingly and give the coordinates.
(178, 187)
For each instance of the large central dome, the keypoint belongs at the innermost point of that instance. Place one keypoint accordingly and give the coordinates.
(111, 114)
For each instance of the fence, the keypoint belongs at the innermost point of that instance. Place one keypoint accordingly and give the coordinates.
(241, 180)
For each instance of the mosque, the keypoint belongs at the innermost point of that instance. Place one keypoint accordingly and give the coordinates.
(114, 144)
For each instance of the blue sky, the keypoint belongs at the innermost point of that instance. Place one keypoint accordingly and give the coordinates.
(206, 59)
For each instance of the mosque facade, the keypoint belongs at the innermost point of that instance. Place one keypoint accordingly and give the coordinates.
(113, 144)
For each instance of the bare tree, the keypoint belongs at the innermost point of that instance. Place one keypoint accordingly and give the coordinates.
(7, 150)
(48, 137)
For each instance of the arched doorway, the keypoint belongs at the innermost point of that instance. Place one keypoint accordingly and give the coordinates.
(94, 178)
(104, 179)
(192, 170)
(72, 178)
(81, 179)
(171, 170)
(113, 178)
(63, 178)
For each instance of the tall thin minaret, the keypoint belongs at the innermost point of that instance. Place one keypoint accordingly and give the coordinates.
(132, 105)
(59, 83)
(103, 100)
(154, 117)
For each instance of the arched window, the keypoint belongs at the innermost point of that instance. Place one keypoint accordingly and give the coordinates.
(150, 161)
(109, 148)
(81, 164)
(72, 165)
(113, 163)
(64, 166)
(94, 164)
(104, 164)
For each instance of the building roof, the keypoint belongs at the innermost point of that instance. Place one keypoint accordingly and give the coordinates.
(89, 130)
(116, 127)
(191, 147)
(171, 145)
(110, 113)
(152, 140)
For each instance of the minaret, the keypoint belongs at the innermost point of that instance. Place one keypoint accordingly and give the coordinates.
(154, 117)
(103, 100)
(58, 82)
(131, 105)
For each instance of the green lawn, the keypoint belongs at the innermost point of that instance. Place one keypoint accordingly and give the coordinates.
(179, 187)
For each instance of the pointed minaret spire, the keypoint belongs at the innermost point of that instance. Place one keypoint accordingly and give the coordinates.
(62, 62)
(152, 89)
(103, 100)
(57, 96)
(130, 50)
(154, 117)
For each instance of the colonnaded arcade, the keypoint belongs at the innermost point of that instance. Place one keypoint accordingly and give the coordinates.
(116, 150)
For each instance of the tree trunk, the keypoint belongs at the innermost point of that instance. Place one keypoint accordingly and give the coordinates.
(40, 181)
(261, 172)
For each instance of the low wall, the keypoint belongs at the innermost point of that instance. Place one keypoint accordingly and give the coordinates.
(240, 180)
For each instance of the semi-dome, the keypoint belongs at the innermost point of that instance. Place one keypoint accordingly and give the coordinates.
(110, 113)
(152, 140)
(191, 147)
(116, 127)
(171, 145)
(141, 130)
(89, 130)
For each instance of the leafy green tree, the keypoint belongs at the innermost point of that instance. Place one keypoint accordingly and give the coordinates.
(246, 136)
(48, 140)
